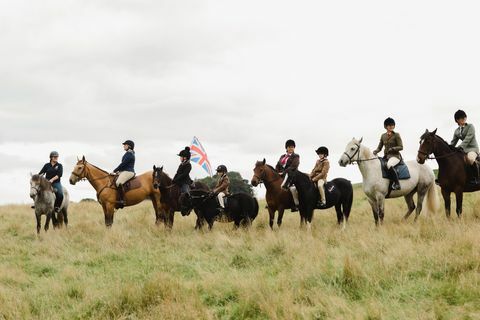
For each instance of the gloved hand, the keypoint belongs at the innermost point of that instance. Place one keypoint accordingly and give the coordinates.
(375, 152)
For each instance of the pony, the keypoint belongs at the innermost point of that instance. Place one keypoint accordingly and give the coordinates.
(376, 188)
(452, 169)
(104, 185)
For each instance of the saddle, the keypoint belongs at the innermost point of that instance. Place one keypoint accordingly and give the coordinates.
(132, 184)
(401, 169)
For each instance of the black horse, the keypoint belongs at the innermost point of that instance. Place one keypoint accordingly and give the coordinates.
(241, 208)
(338, 193)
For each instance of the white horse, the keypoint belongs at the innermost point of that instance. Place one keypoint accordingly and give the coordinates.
(422, 181)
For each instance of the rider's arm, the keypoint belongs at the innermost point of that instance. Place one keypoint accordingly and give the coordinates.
(470, 135)
(380, 146)
(455, 139)
(44, 170)
(399, 142)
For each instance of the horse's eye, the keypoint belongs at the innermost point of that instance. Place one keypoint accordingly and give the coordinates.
(352, 149)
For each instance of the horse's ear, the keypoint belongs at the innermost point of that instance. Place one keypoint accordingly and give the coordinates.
(161, 168)
(154, 168)
(264, 161)
(435, 131)
(31, 174)
(78, 159)
(83, 159)
(361, 139)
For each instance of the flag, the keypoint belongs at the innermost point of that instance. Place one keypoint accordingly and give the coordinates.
(199, 156)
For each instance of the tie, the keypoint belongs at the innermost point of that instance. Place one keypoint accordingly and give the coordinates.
(461, 132)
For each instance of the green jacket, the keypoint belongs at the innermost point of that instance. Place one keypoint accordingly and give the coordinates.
(393, 145)
(467, 136)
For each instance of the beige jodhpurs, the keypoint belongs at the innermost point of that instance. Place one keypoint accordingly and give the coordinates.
(124, 176)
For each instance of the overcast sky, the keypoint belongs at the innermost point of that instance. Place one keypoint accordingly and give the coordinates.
(80, 77)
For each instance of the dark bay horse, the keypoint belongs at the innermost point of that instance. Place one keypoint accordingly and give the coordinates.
(170, 197)
(104, 185)
(241, 208)
(277, 198)
(452, 169)
(338, 192)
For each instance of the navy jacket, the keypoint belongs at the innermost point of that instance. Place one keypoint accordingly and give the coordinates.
(128, 162)
(183, 174)
(52, 171)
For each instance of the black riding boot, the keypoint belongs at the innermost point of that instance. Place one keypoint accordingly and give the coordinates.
(120, 197)
(394, 177)
(475, 173)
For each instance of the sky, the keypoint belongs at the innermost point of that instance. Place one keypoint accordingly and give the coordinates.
(80, 77)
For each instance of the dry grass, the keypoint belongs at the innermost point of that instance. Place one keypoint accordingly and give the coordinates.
(427, 270)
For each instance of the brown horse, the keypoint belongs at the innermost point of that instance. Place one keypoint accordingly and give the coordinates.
(277, 198)
(170, 197)
(104, 184)
(452, 169)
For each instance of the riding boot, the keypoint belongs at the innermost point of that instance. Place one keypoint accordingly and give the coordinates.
(475, 173)
(394, 177)
(120, 197)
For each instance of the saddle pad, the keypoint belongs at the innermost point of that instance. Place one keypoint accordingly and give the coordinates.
(132, 184)
(401, 168)
(329, 187)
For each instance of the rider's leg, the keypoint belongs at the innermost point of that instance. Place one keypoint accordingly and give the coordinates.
(294, 192)
(220, 197)
(321, 189)
(472, 161)
(123, 177)
(392, 162)
(57, 187)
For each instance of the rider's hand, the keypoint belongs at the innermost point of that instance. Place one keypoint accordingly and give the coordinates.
(112, 173)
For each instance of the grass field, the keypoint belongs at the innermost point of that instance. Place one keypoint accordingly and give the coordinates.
(136, 270)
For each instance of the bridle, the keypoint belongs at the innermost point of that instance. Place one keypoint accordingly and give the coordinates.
(427, 154)
(82, 173)
(262, 180)
(357, 152)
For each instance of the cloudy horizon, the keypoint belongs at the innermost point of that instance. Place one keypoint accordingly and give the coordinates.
(80, 77)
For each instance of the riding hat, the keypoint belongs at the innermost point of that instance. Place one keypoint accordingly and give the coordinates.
(289, 143)
(222, 168)
(322, 150)
(460, 114)
(185, 153)
(388, 122)
(129, 143)
(53, 154)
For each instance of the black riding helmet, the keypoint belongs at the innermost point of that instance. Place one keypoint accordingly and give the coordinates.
(185, 153)
(460, 114)
(222, 168)
(290, 143)
(322, 150)
(388, 122)
(129, 143)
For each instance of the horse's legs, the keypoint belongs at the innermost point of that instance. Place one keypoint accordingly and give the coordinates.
(374, 206)
(459, 197)
(421, 197)
(108, 211)
(170, 219)
(448, 202)
(64, 212)
(271, 214)
(381, 208)
(47, 222)
(280, 217)
(410, 205)
(156, 208)
(340, 217)
(39, 222)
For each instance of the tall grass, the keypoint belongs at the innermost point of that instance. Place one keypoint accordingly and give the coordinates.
(136, 270)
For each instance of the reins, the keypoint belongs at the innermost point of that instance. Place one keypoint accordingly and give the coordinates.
(350, 158)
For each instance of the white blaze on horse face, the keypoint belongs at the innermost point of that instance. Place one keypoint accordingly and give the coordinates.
(346, 157)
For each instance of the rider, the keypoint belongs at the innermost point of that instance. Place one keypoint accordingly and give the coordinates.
(466, 133)
(393, 145)
(221, 189)
(289, 161)
(182, 177)
(125, 171)
(320, 172)
(53, 171)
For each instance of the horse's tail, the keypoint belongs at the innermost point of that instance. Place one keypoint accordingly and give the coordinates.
(255, 209)
(433, 204)
(347, 206)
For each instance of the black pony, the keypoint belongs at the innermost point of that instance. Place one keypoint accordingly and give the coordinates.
(338, 193)
(241, 208)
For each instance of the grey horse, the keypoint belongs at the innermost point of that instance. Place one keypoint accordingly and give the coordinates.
(41, 192)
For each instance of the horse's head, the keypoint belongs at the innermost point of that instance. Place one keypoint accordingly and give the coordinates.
(352, 152)
(427, 146)
(258, 173)
(38, 184)
(79, 171)
(157, 176)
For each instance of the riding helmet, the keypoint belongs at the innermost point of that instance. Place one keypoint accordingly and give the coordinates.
(222, 168)
(460, 114)
(185, 153)
(322, 150)
(129, 143)
(388, 122)
(290, 143)
(53, 154)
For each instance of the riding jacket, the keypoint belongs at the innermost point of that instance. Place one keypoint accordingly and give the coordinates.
(288, 162)
(320, 171)
(52, 171)
(467, 135)
(128, 162)
(393, 145)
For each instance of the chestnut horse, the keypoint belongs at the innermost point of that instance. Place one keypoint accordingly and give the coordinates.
(104, 184)
(452, 169)
(277, 198)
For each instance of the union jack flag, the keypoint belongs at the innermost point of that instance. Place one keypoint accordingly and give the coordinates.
(199, 156)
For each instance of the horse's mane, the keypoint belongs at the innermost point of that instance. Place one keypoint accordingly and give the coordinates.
(104, 171)
(445, 142)
(44, 184)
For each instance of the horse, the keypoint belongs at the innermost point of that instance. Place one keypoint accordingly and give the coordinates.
(452, 169)
(104, 185)
(170, 196)
(376, 188)
(43, 195)
(339, 194)
(241, 208)
(277, 198)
